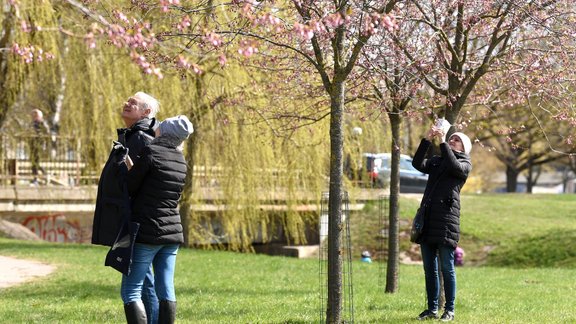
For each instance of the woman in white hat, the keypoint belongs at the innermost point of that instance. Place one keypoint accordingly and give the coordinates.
(447, 174)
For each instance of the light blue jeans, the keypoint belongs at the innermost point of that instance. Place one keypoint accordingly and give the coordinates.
(430, 255)
(163, 259)
(149, 298)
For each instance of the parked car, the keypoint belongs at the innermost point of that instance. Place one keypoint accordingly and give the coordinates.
(378, 166)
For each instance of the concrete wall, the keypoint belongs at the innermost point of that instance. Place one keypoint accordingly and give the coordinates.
(55, 214)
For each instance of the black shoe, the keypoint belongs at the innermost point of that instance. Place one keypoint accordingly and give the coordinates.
(427, 314)
(447, 316)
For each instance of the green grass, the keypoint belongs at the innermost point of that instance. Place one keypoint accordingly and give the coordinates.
(225, 287)
(535, 286)
(513, 230)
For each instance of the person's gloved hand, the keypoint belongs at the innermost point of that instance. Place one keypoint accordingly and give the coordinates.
(120, 152)
(119, 148)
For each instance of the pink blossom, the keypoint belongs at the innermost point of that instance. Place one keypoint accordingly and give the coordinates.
(303, 31)
(30, 53)
(222, 60)
(25, 27)
(165, 3)
(15, 49)
(213, 39)
(247, 48)
(122, 17)
(90, 40)
(158, 73)
(184, 23)
(182, 62)
(334, 20)
(196, 69)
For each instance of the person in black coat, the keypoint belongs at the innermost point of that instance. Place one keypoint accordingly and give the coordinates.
(155, 184)
(441, 202)
(138, 114)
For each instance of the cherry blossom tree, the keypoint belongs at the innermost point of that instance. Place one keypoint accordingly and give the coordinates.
(467, 41)
(394, 88)
(327, 37)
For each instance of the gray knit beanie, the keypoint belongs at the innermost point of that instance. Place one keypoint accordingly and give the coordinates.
(179, 127)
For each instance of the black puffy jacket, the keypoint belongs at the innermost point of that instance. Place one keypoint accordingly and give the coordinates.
(155, 184)
(447, 174)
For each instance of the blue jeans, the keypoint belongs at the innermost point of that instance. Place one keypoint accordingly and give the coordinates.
(430, 254)
(149, 298)
(163, 259)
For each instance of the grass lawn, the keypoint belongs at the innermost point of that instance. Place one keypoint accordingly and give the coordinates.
(513, 230)
(226, 287)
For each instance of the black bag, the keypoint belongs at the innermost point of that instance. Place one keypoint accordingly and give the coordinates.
(418, 221)
(119, 256)
(417, 226)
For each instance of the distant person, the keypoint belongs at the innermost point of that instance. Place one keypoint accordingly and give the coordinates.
(459, 256)
(138, 114)
(155, 184)
(37, 142)
(366, 257)
(441, 201)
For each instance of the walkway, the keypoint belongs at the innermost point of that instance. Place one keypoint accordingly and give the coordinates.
(15, 271)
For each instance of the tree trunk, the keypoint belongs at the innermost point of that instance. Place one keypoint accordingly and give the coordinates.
(6, 96)
(186, 203)
(334, 307)
(511, 179)
(530, 178)
(393, 245)
(59, 101)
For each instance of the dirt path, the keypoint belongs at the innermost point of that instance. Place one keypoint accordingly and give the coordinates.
(15, 271)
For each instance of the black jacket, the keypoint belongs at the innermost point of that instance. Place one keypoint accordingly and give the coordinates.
(137, 136)
(112, 192)
(447, 174)
(155, 184)
(112, 200)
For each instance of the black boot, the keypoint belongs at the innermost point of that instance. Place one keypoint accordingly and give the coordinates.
(167, 313)
(135, 313)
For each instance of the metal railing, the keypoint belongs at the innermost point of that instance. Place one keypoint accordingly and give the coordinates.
(44, 160)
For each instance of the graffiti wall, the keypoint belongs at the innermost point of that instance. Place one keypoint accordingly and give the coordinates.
(54, 228)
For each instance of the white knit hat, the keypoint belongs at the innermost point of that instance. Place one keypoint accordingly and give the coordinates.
(465, 141)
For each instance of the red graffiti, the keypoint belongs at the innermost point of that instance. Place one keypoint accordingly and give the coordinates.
(54, 228)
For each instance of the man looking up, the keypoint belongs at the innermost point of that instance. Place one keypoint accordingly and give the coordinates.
(138, 114)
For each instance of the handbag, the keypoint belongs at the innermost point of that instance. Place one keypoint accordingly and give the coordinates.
(417, 225)
(119, 256)
(418, 221)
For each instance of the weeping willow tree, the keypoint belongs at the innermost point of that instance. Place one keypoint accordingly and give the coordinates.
(26, 52)
(253, 178)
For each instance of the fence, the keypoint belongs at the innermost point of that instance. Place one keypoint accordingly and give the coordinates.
(42, 160)
(347, 284)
